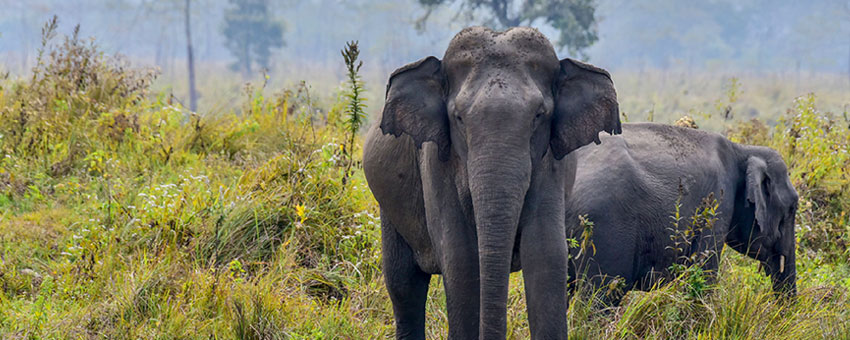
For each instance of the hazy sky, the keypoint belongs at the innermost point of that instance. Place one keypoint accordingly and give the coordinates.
(750, 35)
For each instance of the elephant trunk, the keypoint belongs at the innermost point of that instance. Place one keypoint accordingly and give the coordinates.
(782, 267)
(785, 277)
(498, 184)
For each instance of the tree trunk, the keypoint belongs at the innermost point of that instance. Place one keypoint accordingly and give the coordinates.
(190, 58)
(797, 80)
(158, 56)
(246, 62)
(24, 42)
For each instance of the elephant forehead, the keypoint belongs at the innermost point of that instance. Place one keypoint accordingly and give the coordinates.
(475, 46)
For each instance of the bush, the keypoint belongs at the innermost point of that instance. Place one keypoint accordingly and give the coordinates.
(128, 216)
(73, 85)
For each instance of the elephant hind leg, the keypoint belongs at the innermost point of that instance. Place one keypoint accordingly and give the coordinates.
(406, 282)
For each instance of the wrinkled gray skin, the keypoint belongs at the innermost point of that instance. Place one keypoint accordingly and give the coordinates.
(468, 166)
(628, 187)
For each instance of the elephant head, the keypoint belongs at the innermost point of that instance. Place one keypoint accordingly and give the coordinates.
(497, 103)
(765, 213)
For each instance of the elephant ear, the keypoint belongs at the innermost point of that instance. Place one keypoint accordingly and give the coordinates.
(759, 194)
(416, 105)
(586, 104)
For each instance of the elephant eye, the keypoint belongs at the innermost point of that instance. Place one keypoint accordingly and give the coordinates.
(540, 112)
(459, 119)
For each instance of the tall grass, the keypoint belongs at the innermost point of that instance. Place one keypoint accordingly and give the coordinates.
(126, 216)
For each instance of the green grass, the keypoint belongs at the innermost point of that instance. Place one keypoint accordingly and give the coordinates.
(125, 216)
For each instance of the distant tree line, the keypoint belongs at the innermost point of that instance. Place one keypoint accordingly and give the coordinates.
(574, 20)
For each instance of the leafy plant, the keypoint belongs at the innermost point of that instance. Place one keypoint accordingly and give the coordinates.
(586, 244)
(688, 243)
(355, 109)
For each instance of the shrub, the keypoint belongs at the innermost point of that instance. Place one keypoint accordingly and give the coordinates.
(73, 85)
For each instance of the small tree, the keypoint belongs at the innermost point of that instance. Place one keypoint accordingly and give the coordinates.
(574, 19)
(356, 107)
(250, 34)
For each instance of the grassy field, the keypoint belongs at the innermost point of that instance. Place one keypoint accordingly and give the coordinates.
(125, 216)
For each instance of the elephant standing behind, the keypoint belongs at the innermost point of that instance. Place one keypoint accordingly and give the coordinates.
(468, 166)
(629, 185)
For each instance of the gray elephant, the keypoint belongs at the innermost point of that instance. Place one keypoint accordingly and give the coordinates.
(629, 186)
(468, 166)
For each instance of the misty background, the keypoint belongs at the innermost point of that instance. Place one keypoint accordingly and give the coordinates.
(648, 45)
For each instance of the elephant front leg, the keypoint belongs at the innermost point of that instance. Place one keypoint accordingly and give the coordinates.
(543, 252)
(406, 283)
(462, 285)
(706, 254)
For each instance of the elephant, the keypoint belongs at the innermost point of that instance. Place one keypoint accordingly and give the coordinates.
(469, 165)
(629, 187)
